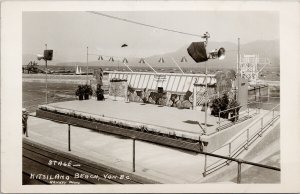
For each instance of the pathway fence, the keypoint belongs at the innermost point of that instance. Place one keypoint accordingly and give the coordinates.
(251, 109)
(234, 147)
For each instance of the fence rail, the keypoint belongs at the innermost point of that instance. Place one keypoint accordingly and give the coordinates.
(229, 158)
(244, 115)
(242, 140)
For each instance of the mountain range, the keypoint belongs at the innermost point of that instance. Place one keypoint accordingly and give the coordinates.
(264, 48)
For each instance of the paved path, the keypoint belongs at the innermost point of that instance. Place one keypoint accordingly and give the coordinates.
(163, 164)
(56, 167)
(155, 162)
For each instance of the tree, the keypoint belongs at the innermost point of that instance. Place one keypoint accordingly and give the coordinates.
(224, 81)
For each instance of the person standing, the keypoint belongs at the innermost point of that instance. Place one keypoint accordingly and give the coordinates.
(24, 120)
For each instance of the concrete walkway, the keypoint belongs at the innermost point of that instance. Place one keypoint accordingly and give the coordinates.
(155, 162)
(159, 163)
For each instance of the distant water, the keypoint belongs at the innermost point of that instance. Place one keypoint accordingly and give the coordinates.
(34, 93)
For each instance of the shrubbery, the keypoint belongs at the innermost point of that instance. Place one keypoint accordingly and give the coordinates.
(224, 103)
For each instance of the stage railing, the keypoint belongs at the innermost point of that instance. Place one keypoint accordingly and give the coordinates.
(242, 141)
(241, 115)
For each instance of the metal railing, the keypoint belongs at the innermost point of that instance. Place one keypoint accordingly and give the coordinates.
(206, 154)
(245, 114)
(242, 141)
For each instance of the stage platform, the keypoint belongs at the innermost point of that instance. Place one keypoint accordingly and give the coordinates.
(162, 118)
(142, 120)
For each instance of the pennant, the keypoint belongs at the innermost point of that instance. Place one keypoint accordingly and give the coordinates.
(161, 60)
(142, 60)
(125, 60)
(100, 58)
(183, 59)
(111, 59)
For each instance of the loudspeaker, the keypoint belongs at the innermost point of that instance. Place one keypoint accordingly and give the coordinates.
(48, 54)
(217, 53)
(197, 51)
(40, 57)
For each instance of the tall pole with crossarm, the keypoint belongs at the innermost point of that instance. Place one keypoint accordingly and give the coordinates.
(197, 50)
(87, 65)
(46, 77)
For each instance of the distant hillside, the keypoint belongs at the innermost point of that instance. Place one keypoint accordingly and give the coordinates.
(269, 49)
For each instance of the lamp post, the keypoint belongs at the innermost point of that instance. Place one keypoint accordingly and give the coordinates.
(197, 50)
(46, 77)
(206, 99)
(238, 72)
(206, 36)
(87, 64)
(48, 54)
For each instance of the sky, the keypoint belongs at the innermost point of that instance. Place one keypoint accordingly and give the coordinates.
(70, 33)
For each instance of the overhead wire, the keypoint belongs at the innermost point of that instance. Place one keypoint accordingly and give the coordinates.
(143, 24)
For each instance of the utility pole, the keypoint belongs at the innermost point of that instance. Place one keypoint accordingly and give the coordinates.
(87, 64)
(46, 69)
(206, 36)
(238, 71)
(206, 98)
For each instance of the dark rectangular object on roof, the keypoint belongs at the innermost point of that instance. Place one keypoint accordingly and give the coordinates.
(48, 54)
(197, 51)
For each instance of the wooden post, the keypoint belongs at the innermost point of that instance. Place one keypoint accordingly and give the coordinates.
(239, 175)
(69, 137)
(133, 156)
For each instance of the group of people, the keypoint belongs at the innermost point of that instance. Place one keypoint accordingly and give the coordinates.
(163, 99)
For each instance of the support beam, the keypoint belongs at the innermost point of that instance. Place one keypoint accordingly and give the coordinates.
(177, 65)
(150, 66)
